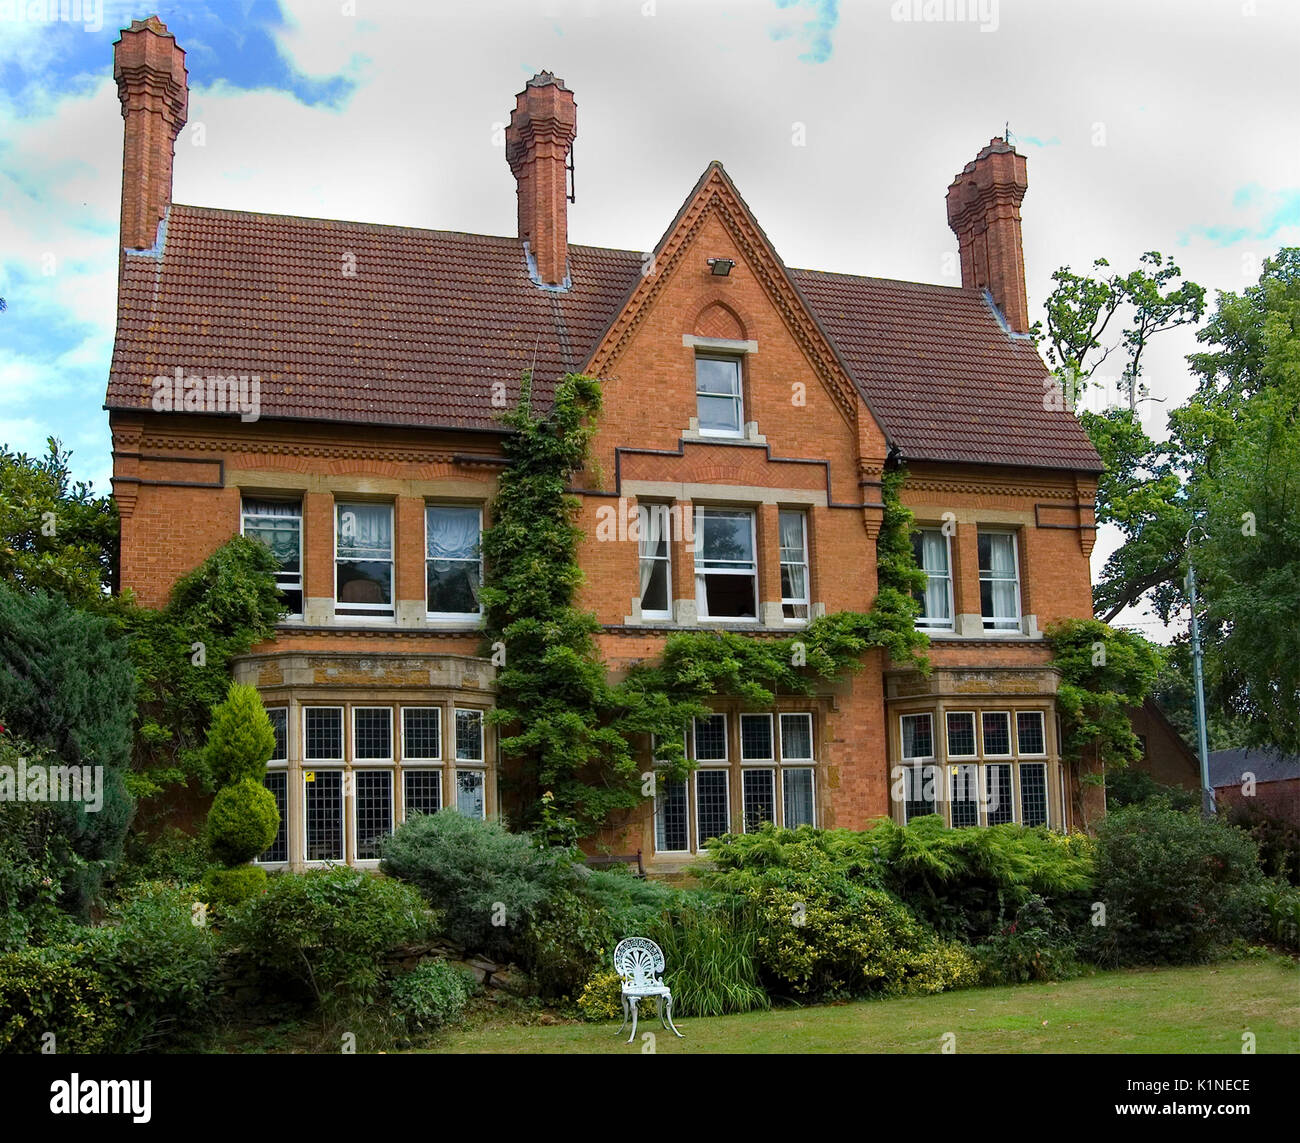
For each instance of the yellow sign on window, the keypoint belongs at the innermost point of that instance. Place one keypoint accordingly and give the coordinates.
(309, 775)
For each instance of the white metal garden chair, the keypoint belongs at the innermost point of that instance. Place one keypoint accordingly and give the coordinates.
(639, 963)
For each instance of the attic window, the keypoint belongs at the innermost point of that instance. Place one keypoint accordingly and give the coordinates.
(718, 396)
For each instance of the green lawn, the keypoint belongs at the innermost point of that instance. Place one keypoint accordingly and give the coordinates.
(1188, 1010)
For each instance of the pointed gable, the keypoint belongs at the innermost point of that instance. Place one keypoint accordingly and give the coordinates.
(715, 197)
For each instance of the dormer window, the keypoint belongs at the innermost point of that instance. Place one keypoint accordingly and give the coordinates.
(717, 396)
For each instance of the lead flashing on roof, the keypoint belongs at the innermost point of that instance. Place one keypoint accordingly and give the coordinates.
(159, 243)
(1002, 321)
(534, 275)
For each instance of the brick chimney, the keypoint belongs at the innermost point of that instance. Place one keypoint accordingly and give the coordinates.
(153, 87)
(984, 213)
(542, 127)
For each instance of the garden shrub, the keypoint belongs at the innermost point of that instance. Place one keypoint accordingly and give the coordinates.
(240, 738)
(1176, 887)
(36, 861)
(563, 944)
(173, 855)
(42, 991)
(67, 687)
(1033, 945)
(629, 903)
(820, 935)
(711, 959)
(601, 997)
(1277, 838)
(964, 882)
(328, 929)
(576, 928)
(157, 965)
(1280, 914)
(1128, 786)
(242, 822)
(476, 874)
(226, 887)
(432, 995)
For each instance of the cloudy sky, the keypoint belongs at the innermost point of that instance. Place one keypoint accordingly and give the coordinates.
(1148, 124)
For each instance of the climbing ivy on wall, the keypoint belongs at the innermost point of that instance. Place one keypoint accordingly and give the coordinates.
(570, 744)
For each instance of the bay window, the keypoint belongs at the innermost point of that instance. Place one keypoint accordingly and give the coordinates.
(726, 572)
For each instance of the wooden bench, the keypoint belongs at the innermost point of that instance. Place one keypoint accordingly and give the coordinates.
(606, 859)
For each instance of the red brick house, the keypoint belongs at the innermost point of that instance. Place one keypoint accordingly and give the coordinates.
(760, 404)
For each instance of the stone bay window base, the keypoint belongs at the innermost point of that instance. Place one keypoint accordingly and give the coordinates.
(365, 740)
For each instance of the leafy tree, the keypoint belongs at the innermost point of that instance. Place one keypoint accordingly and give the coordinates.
(182, 657)
(1103, 672)
(67, 687)
(55, 534)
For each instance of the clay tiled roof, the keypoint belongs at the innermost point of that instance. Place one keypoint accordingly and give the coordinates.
(938, 370)
(432, 319)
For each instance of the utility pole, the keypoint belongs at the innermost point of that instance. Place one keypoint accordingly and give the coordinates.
(1207, 791)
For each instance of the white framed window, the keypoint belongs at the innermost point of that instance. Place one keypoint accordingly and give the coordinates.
(322, 734)
(372, 811)
(278, 524)
(796, 738)
(718, 400)
(1030, 739)
(655, 562)
(999, 580)
(997, 787)
(469, 735)
(712, 804)
(277, 853)
(756, 738)
(758, 790)
(961, 734)
(1033, 793)
(422, 733)
(709, 738)
(793, 526)
(920, 794)
(453, 561)
(996, 725)
(917, 736)
(797, 796)
(964, 794)
(421, 792)
(470, 793)
(372, 734)
(363, 559)
(726, 571)
(279, 716)
(322, 811)
(672, 819)
(933, 556)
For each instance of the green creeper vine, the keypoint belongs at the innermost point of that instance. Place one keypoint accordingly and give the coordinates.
(569, 735)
